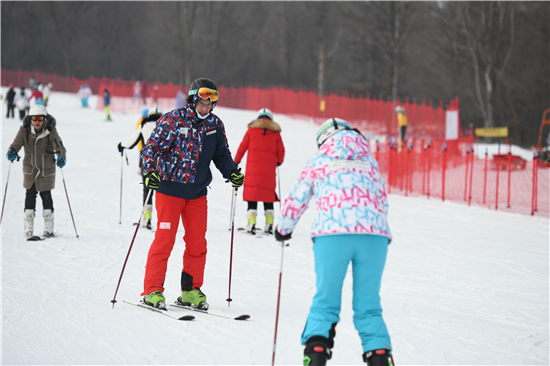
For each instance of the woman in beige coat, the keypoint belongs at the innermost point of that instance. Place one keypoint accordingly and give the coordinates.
(43, 149)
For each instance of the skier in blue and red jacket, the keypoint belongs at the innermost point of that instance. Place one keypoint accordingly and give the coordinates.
(176, 163)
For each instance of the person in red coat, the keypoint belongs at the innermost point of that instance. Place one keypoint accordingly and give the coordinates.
(265, 153)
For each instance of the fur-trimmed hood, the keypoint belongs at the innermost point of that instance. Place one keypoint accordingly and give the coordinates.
(49, 123)
(265, 123)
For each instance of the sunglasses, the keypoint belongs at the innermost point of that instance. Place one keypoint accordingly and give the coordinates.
(206, 93)
(38, 118)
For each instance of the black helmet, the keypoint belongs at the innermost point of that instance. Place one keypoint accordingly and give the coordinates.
(196, 85)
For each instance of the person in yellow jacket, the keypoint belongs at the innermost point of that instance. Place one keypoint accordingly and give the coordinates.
(401, 124)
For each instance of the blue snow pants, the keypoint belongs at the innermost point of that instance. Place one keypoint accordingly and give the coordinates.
(367, 254)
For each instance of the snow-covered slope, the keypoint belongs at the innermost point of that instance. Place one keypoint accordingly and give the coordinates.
(462, 286)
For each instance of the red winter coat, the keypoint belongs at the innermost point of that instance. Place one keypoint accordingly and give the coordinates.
(265, 151)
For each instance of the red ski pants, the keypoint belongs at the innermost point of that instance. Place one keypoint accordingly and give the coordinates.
(193, 215)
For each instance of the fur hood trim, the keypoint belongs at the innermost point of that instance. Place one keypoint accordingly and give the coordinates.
(49, 123)
(265, 123)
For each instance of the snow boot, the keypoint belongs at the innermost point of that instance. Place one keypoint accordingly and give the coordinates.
(316, 354)
(269, 222)
(251, 226)
(146, 220)
(195, 298)
(48, 223)
(155, 299)
(379, 357)
(29, 223)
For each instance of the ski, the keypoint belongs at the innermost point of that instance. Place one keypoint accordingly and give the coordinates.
(142, 305)
(210, 312)
(258, 234)
(35, 238)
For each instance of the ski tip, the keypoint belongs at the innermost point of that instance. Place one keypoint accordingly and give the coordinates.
(243, 317)
(187, 317)
(34, 238)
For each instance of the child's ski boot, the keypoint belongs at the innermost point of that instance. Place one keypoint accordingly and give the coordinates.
(379, 357)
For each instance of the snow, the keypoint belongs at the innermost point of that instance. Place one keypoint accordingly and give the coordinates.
(462, 286)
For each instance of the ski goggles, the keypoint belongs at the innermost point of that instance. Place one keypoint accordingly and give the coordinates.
(206, 93)
(38, 118)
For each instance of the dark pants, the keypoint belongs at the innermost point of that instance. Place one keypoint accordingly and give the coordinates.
(11, 108)
(22, 114)
(30, 199)
(402, 132)
(254, 205)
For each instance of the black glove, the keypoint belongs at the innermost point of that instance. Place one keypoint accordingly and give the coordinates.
(280, 237)
(120, 147)
(237, 178)
(152, 180)
(12, 154)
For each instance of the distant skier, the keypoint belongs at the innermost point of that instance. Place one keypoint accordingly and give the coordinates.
(22, 103)
(137, 92)
(84, 93)
(141, 135)
(36, 98)
(176, 163)
(402, 125)
(46, 91)
(265, 152)
(43, 149)
(107, 103)
(10, 104)
(350, 226)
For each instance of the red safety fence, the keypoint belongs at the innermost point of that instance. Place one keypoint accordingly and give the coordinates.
(450, 170)
(427, 166)
(357, 109)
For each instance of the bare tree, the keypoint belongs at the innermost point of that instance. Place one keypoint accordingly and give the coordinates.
(67, 17)
(489, 30)
(392, 22)
(322, 12)
(182, 32)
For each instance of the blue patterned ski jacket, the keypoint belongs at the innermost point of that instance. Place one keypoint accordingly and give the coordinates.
(349, 192)
(181, 148)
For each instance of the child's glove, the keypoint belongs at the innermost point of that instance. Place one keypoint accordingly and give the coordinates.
(120, 147)
(280, 237)
(237, 178)
(152, 180)
(12, 154)
(61, 161)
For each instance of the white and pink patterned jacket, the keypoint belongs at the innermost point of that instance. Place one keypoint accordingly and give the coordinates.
(350, 194)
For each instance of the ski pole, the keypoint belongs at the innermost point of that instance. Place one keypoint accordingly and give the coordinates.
(231, 213)
(278, 302)
(121, 166)
(6, 190)
(233, 204)
(279, 188)
(67, 194)
(129, 249)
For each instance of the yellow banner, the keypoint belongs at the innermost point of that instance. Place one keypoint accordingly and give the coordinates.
(492, 132)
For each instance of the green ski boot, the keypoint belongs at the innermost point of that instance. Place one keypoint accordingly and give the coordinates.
(155, 299)
(194, 298)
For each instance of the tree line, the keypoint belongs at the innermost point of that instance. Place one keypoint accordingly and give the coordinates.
(494, 55)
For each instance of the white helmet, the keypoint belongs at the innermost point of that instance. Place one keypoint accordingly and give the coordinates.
(399, 109)
(154, 111)
(265, 113)
(38, 110)
(329, 128)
